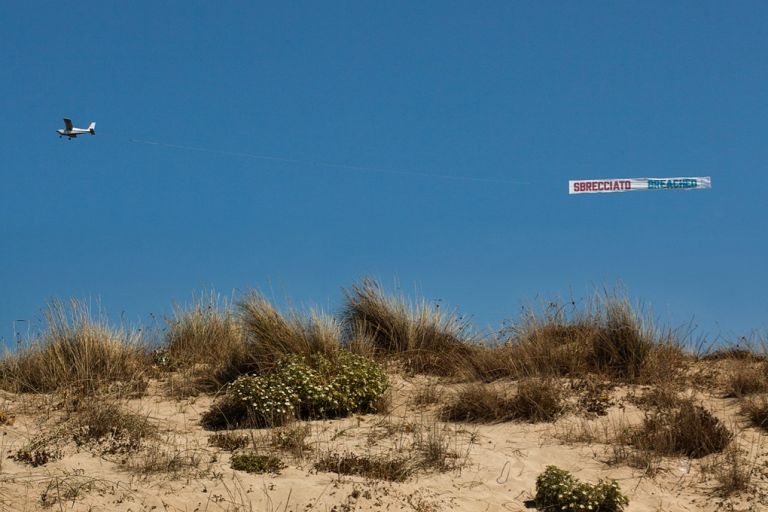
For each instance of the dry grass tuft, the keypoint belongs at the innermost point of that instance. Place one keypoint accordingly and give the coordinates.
(41, 449)
(479, 403)
(608, 337)
(434, 448)
(383, 467)
(756, 410)
(622, 344)
(735, 352)
(428, 393)
(170, 460)
(732, 471)
(538, 400)
(270, 336)
(548, 344)
(420, 335)
(657, 398)
(292, 438)
(749, 381)
(257, 463)
(229, 441)
(77, 353)
(109, 429)
(66, 490)
(6, 418)
(205, 340)
(682, 429)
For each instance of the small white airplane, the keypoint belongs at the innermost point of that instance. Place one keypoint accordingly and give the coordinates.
(72, 132)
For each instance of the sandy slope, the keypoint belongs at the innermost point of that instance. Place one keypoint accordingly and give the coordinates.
(498, 464)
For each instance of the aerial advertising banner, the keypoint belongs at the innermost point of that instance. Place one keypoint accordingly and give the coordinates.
(634, 184)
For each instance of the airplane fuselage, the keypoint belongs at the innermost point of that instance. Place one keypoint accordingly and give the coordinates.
(74, 132)
(71, 131)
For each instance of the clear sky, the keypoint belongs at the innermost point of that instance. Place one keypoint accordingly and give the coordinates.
(534, 93)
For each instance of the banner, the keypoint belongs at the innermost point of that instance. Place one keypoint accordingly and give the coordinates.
(634, 184)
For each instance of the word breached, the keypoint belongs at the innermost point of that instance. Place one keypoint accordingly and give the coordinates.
(633, 184)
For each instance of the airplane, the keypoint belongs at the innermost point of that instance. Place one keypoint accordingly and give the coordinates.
(71, 132)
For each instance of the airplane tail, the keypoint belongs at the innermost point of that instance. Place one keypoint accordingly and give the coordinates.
(92, 128)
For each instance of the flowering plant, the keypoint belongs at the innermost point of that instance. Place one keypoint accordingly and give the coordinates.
(319, 387)
(557, 489)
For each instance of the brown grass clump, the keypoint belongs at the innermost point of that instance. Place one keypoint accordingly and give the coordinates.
(424, 338)
(108, 428)
(657, 398)
(428, 393)
(42, 449)
(664, 363)
(292, 438)
(207, 334)
(271, 336)
(257, 463)
(756, 410)
(732, 471)
(77, 353)
(683, 429)
(738, 352)
(6, 418)
(229, 441)
(550, 344)
(743, 382)
(537, 400)
(171, 460)
(609, 337)
(390, 468)
(433, 445)
(479, 403)
(622, 344)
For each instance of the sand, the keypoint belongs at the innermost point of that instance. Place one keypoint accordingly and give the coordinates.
(493, 467)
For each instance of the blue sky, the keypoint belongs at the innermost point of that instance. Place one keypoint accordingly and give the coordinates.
(534, 93)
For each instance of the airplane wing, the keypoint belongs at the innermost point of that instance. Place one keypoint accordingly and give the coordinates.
(68, 124)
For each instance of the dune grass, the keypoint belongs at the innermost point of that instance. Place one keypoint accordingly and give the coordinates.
(421, 336)
(608, 337)
(77, 352)
(682, 427)
(756, 410)
(205, 332)
(271, 336)
(537, 400)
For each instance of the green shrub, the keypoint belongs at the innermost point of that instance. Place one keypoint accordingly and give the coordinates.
(312, 387)
(557, 489)
(255, 463)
